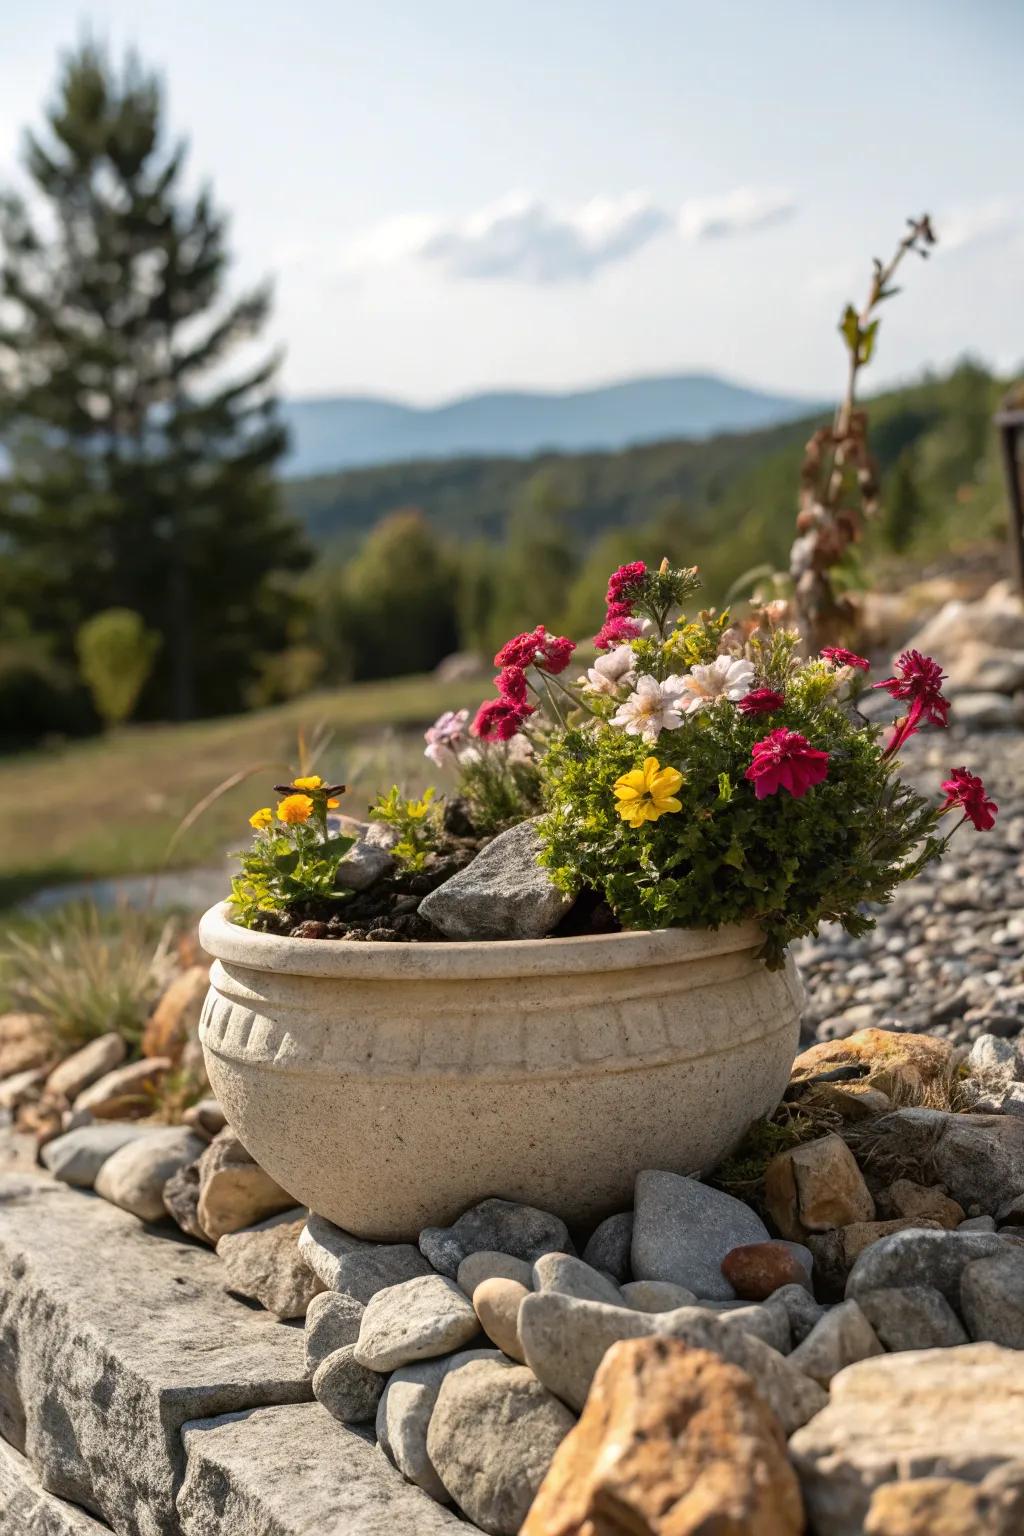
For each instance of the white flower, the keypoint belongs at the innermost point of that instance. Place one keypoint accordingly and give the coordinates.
(651, 708)
(609, 673)
(727, 677)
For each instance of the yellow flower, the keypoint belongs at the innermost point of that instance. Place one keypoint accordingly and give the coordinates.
(260, 820)
(332, 805)
(314, 781)
(646, 793)
(294, 808)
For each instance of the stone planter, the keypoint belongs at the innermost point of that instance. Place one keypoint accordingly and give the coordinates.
(390, 1086)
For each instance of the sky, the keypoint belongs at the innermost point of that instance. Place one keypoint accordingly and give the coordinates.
(463, 194)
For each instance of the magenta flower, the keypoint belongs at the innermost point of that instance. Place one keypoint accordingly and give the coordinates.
(919, 679)
(499, 719)
(538, 648)
(786, 760)
(967, 791)
(762, 701)
(839, 656)
(621, 581)
(511, 685)
(616, 631)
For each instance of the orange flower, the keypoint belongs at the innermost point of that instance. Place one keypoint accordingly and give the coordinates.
(294, 809)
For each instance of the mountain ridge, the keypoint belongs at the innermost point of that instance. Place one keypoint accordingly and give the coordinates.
(337, 432)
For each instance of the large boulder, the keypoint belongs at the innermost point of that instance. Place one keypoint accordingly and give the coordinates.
(676, 1442)
(503, 894)
(956, 1413)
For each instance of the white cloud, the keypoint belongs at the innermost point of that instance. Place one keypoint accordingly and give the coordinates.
(734, 213)
(521, 238)
(961, 227)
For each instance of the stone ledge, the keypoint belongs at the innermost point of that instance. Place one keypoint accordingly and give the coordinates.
(26, 1509)
(294, 1471)
(112, 1336)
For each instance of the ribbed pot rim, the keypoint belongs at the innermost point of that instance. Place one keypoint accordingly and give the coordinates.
(504, 958)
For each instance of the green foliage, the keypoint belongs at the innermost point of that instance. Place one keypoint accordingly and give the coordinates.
(138, 474)
(725, 503)
(87, 973)
(791, 863)
(395, 603)
(500, 783)
(115, 654)
(417, 822)
(293, 859)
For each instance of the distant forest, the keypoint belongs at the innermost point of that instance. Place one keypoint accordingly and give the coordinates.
(726, 503)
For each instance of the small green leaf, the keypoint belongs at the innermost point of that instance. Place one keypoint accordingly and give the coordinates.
(867, 342)
(849, 327)
(724, 789)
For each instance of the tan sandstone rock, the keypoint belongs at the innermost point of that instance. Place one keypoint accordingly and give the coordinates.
(673, 1441)
(234, 1191)
(175, 1019)
(903, 1066)
(496, 1304)
(815, 1188)
(944, 1506)
(83, 1067)
(25, 1043)
(125, 1093)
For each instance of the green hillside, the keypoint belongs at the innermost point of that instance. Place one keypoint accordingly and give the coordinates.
(727, 502)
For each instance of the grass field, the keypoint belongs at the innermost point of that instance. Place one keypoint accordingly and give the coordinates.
(111, 806)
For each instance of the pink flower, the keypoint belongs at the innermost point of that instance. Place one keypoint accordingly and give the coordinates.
(616, 631)
(839, 656)
(620, 582)
(558, 651)
(919, 679)
(786, 760)
(966, 791)
(538, 648)
(762, 701)
(445, 736)
(499, 719)
(511, 684)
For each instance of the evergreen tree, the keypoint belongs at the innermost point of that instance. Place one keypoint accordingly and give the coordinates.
(902, 505)
(136, 479)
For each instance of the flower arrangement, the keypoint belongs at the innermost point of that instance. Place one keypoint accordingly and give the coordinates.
(294, 854)
(701, 772)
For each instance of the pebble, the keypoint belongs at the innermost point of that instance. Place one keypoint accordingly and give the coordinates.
(478, 1267)
(332, 1321)
(801, 1309)
(84, 1066)
(501, 1226)
(926, 936)
(768, 1323)
(992, 1297)
(404, 1415)
(610, 1246)
(263, 1264)
(571, 1277)
(918, 1257)
(912, 1317)
(77, 1157)
(347, 1389)
(656, 1296)
(684, 1229)
(356, 1268)
(492, 1437)
(842, 1337)
(564, 1341)
(496, 1303)
(757, 1269)
(134, 1176)
(416, 1320)
(503, 894)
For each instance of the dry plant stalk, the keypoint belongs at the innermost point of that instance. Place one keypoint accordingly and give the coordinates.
(838, 477)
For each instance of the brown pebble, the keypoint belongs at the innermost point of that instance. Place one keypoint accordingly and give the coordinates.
(756, 1270)
(496, 1304)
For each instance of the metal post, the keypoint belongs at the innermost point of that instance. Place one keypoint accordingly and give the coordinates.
(1011, 433)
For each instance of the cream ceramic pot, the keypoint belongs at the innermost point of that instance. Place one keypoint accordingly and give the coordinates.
(390, 1086)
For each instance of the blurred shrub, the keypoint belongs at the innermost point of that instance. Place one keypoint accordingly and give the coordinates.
(38, 696)
(87, 972)
(116, 653)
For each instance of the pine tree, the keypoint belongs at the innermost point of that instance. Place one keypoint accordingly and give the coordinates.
(140, 471)
(902, 505)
